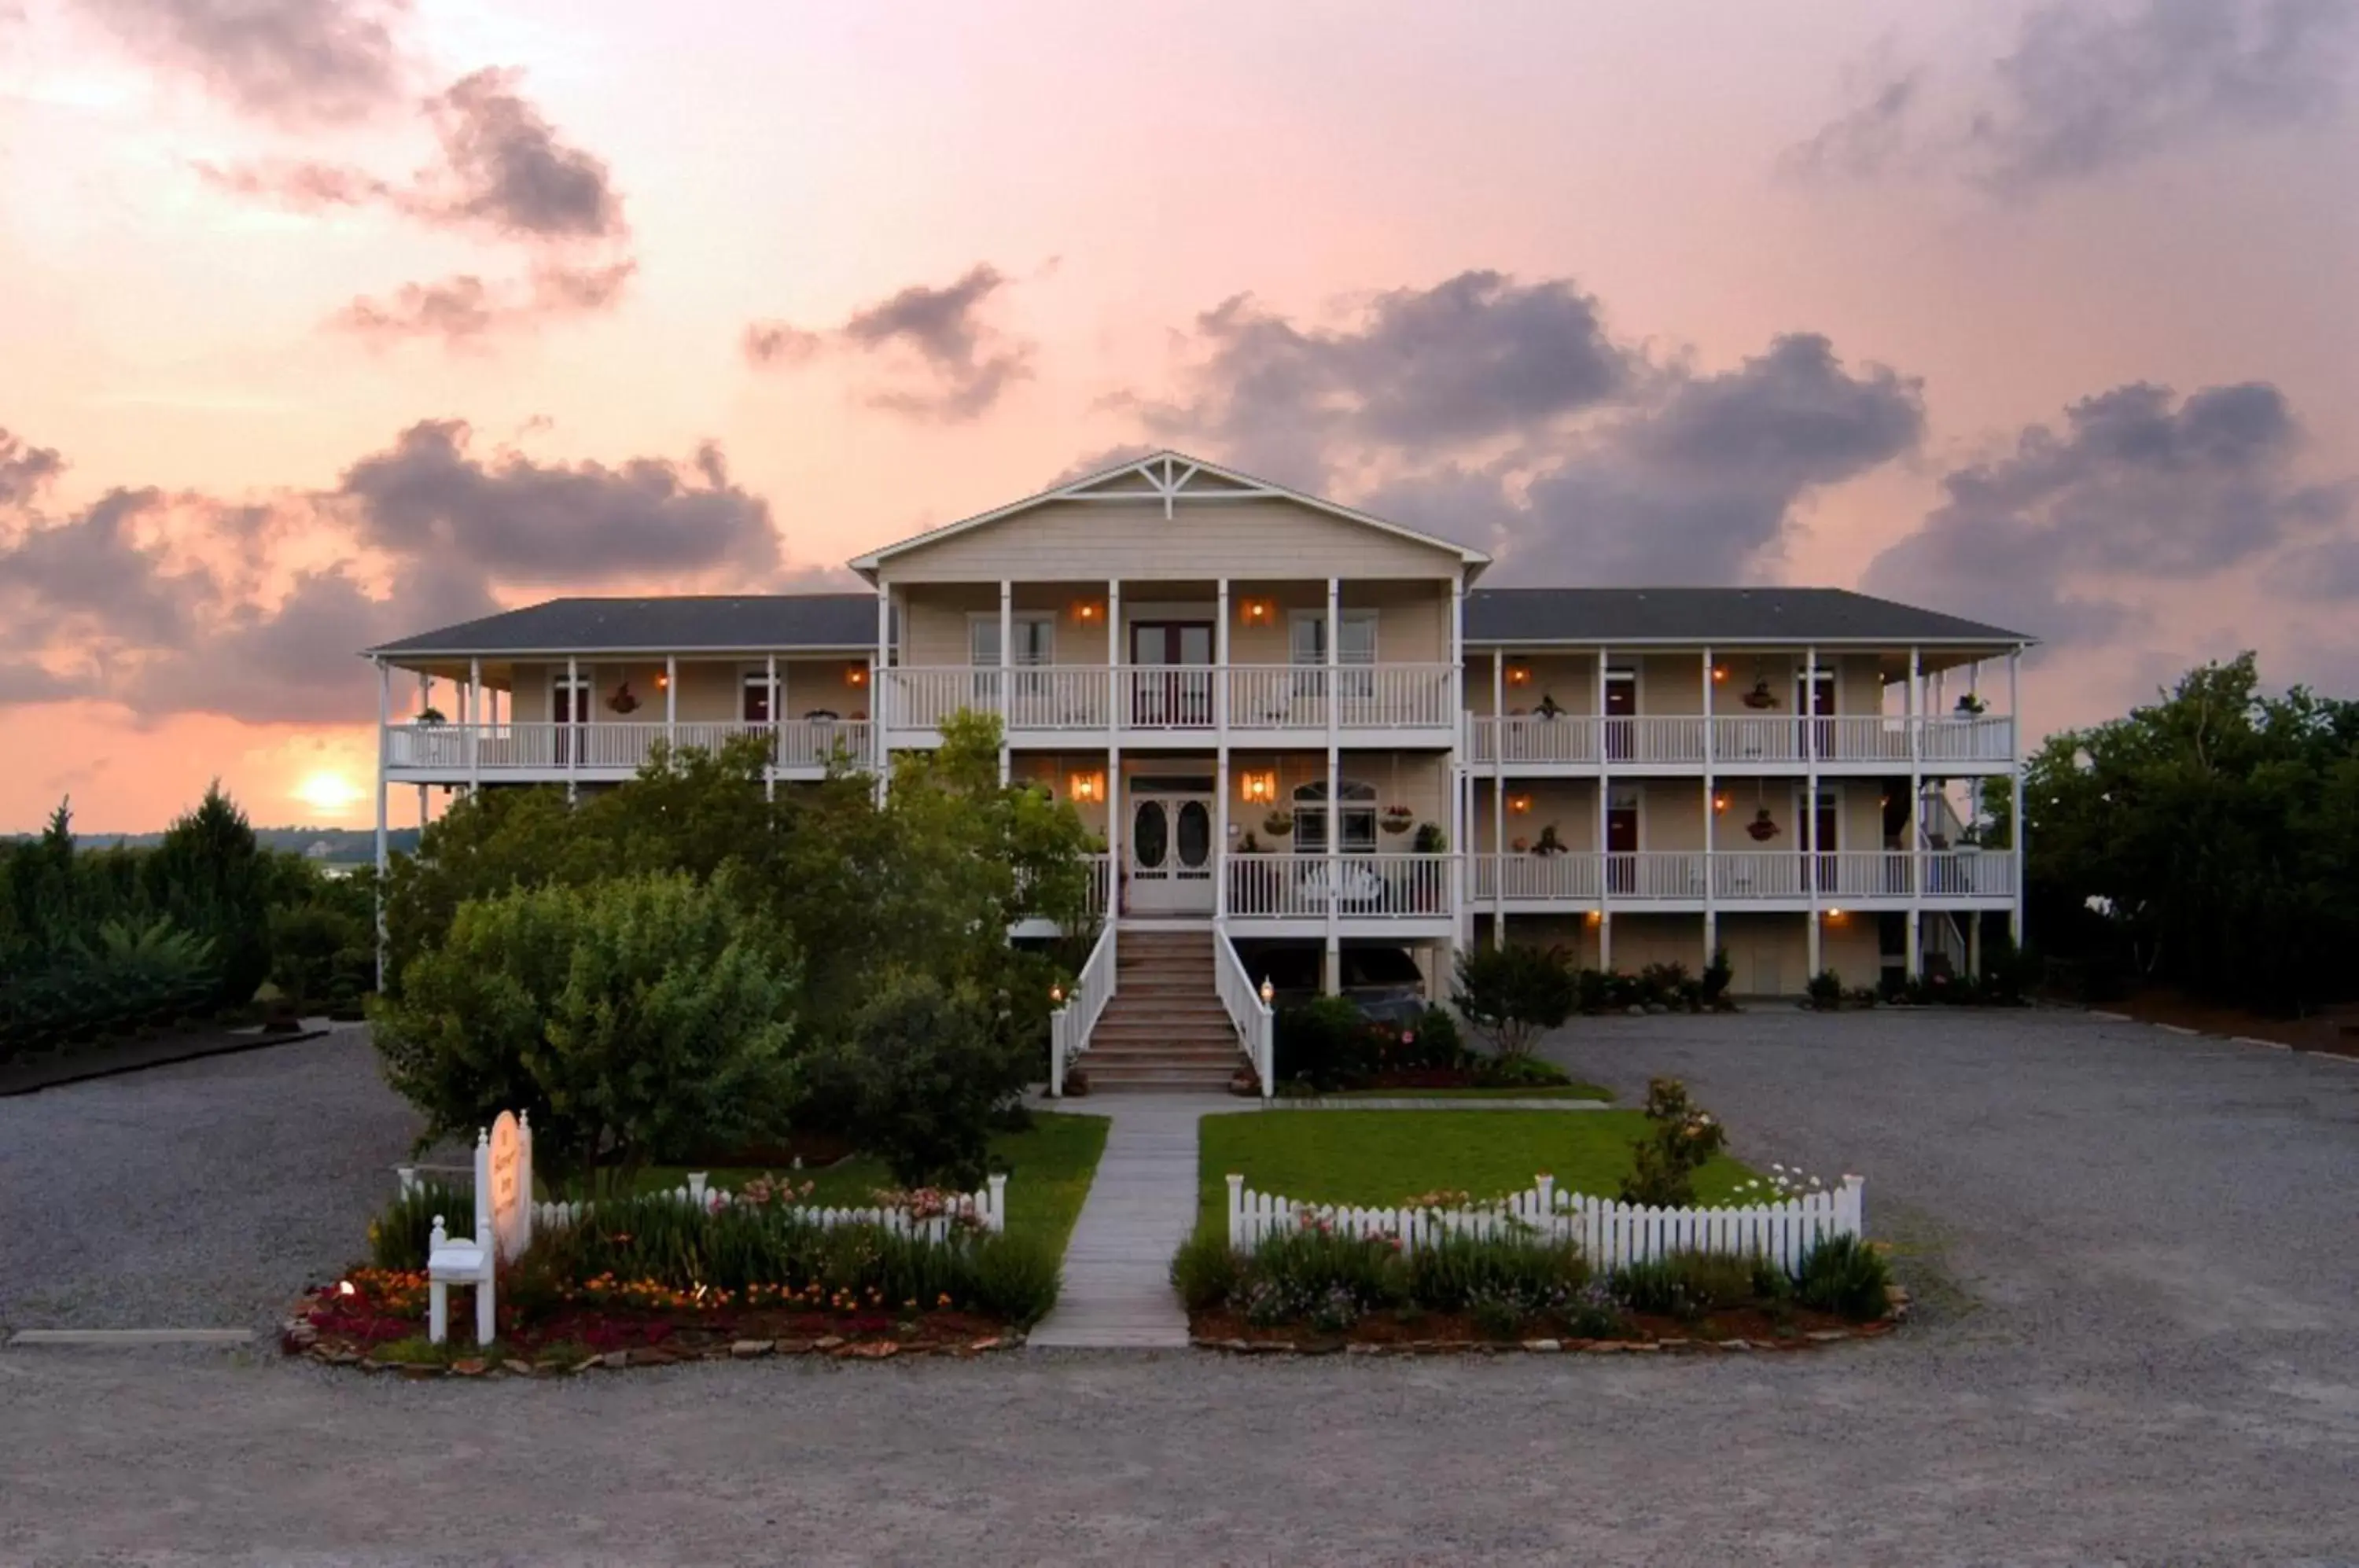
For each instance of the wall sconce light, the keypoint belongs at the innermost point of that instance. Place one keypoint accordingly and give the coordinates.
(1257, 788)
(1719, 802)
(1836, 917)
(1521, 805)
(1056, 995)
(662, 679)
(1256, 612)
(1269, 992)
(1088, 611)
(1086, 787)
(1519, 675)
(1719, 672)
(855, 675)
(1595, 918)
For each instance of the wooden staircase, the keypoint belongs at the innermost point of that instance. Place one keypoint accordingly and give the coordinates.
(1166, 1030)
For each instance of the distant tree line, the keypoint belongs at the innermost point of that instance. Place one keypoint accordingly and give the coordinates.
(98, 942)
(2208, 842)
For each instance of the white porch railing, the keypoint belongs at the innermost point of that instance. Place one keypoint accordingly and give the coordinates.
(1581, 877)
(1070, 1026)
(1263, 698)
(1738, 740)
(1360, 887)
(1612, 1235)
(546, 748)
(1251, 1018)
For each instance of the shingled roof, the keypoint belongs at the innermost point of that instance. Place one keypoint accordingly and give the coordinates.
(752, 623)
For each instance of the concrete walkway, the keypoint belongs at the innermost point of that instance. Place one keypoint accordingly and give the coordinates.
(1142, 1204)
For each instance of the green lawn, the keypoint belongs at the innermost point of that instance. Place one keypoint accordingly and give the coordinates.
(1553, 1091)
(1381, 1157)
(1048, 1169)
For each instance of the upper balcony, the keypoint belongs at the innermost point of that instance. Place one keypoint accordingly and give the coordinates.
(1687, 744)
(540, 753)
(1179, 704)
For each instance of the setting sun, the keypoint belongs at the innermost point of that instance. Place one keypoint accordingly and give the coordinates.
(330, 792)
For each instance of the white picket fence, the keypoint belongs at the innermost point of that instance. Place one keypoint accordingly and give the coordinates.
(986, 1209)
(1611, 1234)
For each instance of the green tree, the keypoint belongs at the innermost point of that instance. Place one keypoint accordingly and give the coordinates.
(1512, 994)
(927, 1075)
(635, 1018)
(213, 880)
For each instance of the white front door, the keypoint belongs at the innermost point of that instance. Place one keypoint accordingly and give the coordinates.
(1171, 852)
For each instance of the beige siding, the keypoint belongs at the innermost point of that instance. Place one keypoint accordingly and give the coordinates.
(1570, 804)
(1769, 954)
(1079, 541)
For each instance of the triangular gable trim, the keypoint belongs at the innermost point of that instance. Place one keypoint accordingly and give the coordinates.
(1168, 477)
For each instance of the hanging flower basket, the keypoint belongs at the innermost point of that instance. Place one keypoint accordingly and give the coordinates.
(1970, 704)
(1760, 696)
(1277, 825)
(1548, 842)
(1761, 830)
(1550, 707)
(1397, 820)
(624, 701)
(430, 715)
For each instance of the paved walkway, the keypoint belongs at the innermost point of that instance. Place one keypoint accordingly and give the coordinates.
(1142, 1204)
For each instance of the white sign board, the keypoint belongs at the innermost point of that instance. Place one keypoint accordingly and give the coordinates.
(511, 1186)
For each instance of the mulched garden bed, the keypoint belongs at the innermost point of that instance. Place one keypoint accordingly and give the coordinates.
(379, 1325)
(1739, 1329)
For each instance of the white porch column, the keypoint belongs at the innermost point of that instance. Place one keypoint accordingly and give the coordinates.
(770, 708)
(1461, 918)
(1604, 799)
(1220, 774)
(671, 699)
(1913, 843)
(1498, 798)
(2017, 837)
(1115, 886)
(1221, 659)
(475, 726)
(1006, 672)
(884, 696)
(1811, 863)
(1711, 820)
(384, 717)
(577, 725)
(1331, 980)
(1117, 697)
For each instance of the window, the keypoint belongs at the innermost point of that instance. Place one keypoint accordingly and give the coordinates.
(754, 706)
(1359, 814)
(1356, 637)
(1036, 640)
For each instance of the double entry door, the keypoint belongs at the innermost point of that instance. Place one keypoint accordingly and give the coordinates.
(1171, 681)
(1168, 851)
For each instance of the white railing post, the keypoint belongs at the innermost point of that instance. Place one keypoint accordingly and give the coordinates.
(1236, 1211)
(995, 1204)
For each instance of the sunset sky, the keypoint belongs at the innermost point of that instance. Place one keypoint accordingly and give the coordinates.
(329, 320)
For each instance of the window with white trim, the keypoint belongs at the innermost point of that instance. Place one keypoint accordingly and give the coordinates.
(1358, 809)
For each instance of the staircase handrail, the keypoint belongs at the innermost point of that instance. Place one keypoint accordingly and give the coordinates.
(1070, 1026)
(1251, 1018)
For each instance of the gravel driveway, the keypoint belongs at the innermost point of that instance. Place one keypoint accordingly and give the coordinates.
(2135, 1251)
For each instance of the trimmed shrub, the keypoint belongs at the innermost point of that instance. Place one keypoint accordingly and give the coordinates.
(1844, 1274)
(1205, 1270)
(1515, 993)
(1519, 1073)
(1718, 975)
(1325, 1042)
(928, 1076)
(1826, 990)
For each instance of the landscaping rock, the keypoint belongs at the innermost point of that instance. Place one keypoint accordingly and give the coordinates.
(473, 1366)
(1543, 1344)
(1734, 1344)
(1828, 1335)
(746, 1349)
(521, 1369)
(827, 1343)
(587, 1364)
(1322, 1347)
(792, 1346)
(616, 1359)
(873, 1350)
(993, 1343)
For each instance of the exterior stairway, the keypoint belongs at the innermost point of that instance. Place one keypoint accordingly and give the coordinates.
(1166, 1030)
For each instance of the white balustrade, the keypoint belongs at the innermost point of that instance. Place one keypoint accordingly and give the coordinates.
(1249, 1014)
(1360, 887)
(552, 748)
(1070, 1026)
(1738, 741)
(1737, 877)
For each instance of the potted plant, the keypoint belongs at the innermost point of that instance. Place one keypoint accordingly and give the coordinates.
(1279, 823)
(1548, 842)
(430, 715)
(1430, 839)
(1249, 845)
(1396, 820)
(1761, 830)
(1550, 707)
(1521, 845)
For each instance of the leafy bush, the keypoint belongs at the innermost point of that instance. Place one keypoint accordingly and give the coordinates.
(1665, 986)
(1305, 1267)
(1718, 975)
(1519, 1073)
(657, 1237)
(1455, 1273)
(1515, 993)
(1844, 1274)
(1325, 1042)
(1680, 1138)
(1826, 990)
(1433, 1041)
(401, 1235)
(1205, 1270)
(634, 1017)
(928, 1076)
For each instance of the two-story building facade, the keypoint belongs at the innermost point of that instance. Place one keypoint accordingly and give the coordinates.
(1292, 722)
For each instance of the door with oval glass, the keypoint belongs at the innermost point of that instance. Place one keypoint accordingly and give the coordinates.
(1170, 848)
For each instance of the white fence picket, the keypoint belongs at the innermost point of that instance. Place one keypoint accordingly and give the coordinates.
(1611, 1234)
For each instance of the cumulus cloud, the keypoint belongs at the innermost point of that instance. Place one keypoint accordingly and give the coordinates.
(167, 602)
(463, 309)
(507, 169)
(944, 360)
(24, 469)
(2056, 534)
(1418, 370)
(2088, 87)
(297, 62)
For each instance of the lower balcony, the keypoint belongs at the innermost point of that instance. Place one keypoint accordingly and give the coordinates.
(1741, 742)
(1690, 880)
(546, 753)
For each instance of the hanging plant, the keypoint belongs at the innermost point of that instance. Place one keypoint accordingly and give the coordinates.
(1970, 704)
(1550, 707)
(1397, 820)
(1277, 825)
(1761, 830)
(1760, 696)
(1431, 840)
(1521, 845)
(430, 715)
(1548, 842)
(624, 701)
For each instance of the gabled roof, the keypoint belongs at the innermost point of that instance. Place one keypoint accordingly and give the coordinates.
(752, 623)
(1168, 477)
(1528, 617)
